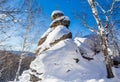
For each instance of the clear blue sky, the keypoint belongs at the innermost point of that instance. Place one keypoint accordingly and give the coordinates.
(69, 7)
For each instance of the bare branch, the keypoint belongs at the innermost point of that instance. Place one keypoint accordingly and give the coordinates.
(111, 11)
(90, 28)
(95, 14)
(82, 19)
(103, 10)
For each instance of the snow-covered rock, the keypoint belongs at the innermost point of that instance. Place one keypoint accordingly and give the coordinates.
(63, 20)
(58, 31)
(87, 47)
(57, 13)
(56, 46)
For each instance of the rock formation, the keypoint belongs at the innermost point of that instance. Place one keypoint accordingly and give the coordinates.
(58, 31)
(56, 40)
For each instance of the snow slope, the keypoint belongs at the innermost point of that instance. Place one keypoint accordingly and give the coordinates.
(59, 64)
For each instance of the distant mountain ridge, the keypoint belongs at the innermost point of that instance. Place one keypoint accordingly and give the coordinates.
(26, 53)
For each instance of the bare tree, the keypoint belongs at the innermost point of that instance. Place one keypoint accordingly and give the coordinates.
(13, 17)
(103, 19)
(7, 21)
(103, 32)
(25, 39)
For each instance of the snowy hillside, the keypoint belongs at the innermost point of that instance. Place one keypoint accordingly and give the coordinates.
(63, 63)
(60, 59)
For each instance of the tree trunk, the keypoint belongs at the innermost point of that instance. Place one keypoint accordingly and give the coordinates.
(109, 71)
(107, 57)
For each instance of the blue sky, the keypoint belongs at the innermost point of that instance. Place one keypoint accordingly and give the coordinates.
(69, 7)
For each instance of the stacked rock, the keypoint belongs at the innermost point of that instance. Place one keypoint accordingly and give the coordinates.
(56, 29)
(58, 18)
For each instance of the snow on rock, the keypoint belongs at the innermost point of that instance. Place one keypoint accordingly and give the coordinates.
(57, 13)
(48, 63)
(56, 55)
(54, 36)
(63, 20)
(88, 45)
(58, 18)
(57, 33)
(85, 46)
(47, 32)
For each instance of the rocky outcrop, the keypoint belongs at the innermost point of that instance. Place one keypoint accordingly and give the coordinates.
(58, 31)
(57, 39)
(9, 64)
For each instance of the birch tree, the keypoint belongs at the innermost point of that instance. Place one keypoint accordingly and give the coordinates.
(25, 39)
(103, 32)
